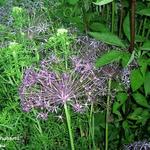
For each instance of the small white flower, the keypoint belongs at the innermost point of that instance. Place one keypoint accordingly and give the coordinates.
(17, 10)
(61, 31)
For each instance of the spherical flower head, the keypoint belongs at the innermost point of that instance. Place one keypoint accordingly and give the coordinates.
(61, 31)
(47, 90)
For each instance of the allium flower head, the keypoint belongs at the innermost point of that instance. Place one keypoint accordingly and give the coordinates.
(29, 77)
(47, 90)
(139, 145)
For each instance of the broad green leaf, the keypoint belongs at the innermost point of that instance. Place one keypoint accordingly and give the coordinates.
(141, 100)
(147, 83)
(107, 38)
(121, 98)
(72, 2)
(146, 46)
(126, 29)
(127, 131)
(126, 26)
(98, 27)
(109, 57)
(131, 58)
(145, 12)
(143, 65)
(137, 79)
(140, 115)
(125, 59)
(102, 2)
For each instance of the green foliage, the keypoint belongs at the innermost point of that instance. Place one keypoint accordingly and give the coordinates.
(145, 12)
(108, 38)
(21, 46)
(139, 115)
(72, 2)
(147, 83)
(141, 100)
(126, 26)
(137, 79)
(121, 99)
(146, 46)
(98, 27)
(102, 2)
(20, 17)
(110, 57)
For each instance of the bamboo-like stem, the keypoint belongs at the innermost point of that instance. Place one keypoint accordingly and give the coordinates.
(107, 18)
(121, 19)
(113, 17)
(132, 26)
(69, 126)
(107, 114)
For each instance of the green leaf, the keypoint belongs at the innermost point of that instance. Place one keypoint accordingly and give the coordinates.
(121, 98)
(72, 2)
(108, 38)
(102, 2)
(140, 115)
(127, 58)
(147, 83)
(126, 26)
(98, 27)
(141, 100)
(139, 38)
(145, 12)
(126, 29)
(146, 46)
(137, 79)
(108, 57)
(143, 65)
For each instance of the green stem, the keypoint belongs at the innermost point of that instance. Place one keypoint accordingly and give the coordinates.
(91, 126)
(38, 124)
(80, 127)
(69, 126)
(107, 114)
(140, 27)
(143, 32)
(113, 17)
(107, 17)
(148, 33)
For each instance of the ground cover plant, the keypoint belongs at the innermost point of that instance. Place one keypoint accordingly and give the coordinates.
(74, 75)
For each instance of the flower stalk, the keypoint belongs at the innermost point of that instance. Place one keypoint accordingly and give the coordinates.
(107, 114)
(69, 126)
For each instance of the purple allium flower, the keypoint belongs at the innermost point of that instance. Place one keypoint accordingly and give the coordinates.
(29, 77)
(47, 90)
(139, 145)
(78, 108)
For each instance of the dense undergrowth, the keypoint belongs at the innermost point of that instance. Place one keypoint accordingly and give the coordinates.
(74, 74)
